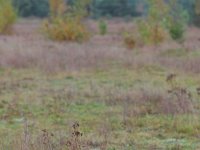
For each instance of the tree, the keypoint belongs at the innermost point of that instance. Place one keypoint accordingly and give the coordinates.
(197, 7)
(7, 16)
(65, 22)
(117, 8)
(197, 13)
(28, 8)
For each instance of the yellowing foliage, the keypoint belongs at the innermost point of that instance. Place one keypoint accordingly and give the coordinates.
(64, 25)
(151, 34)
(7, 16)
(152, 29)
(57, 7)
(67, 29)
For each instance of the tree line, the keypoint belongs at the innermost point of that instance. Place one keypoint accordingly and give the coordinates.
(99, 8)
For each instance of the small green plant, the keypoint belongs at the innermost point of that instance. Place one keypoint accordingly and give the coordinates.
(144, 31)
(177, 31)
(7, 16)
(102, 27)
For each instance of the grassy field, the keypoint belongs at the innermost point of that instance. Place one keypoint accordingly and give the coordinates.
(113, 98)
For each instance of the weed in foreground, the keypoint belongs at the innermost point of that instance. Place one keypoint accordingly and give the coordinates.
(74, 143)
(46, 140)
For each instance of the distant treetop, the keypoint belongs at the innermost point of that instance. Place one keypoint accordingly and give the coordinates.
(99, 8)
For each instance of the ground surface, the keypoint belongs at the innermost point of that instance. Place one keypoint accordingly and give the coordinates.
(120, 97)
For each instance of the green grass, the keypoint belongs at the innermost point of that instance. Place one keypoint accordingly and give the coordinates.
(54, 101)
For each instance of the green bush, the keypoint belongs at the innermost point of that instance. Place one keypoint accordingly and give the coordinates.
(177, 31)
(149, 33)
(102, 27)
(159, 25)
(7, 16)
(152, 29)
(178, 20)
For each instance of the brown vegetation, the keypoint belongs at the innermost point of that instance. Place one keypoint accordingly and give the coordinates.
(27, 48)
(120, 97)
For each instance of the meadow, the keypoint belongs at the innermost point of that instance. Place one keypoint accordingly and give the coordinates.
(98, 95)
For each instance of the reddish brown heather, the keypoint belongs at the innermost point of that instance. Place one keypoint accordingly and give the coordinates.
(28, 48)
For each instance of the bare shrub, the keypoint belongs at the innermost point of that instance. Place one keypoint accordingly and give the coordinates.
(145, 101)
(74, 143)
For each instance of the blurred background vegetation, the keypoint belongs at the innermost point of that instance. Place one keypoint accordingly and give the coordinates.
(132, 84)
(156, 19)
(99, 8)
(105, 8)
